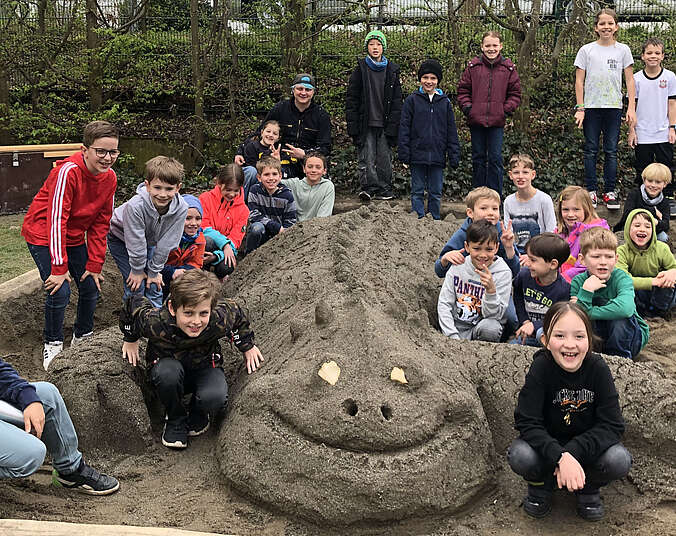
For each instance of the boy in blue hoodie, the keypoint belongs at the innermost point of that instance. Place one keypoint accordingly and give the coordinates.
(427, 136)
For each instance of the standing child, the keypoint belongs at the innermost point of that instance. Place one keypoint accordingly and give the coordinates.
(569, 419)
(489, 90)
(75, 200)
(147, 227)
(256, 147)
(598, 93)
(372, 111)
(427, 136)
(314, 194)
(575, 213)
(224, 220)
(530, 210)
(655, 133)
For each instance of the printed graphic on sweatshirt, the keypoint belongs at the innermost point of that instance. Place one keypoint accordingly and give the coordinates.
(537, 303)
(572, 401)
(468, 299)
(525, 227)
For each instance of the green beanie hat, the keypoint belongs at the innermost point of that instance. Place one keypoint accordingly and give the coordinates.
(376, 34)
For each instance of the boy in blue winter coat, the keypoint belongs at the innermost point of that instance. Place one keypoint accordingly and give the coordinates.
(427, 135)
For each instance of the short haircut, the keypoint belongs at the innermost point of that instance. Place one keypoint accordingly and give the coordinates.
(597, 238)
(549, 246)
(230, 175)
(643, 214)
(557, 310)
(582, 197)
(482, 231)
(482, 192)
(654, 41)
(315, 154)
(657, 172)
(269, 122)
(193, 287)
(268, 162)
(521, 158)
(491, 33)
(166, 169)
(99, 129)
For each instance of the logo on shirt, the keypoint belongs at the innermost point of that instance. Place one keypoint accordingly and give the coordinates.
(573, 401)
(612, 64)
(663, 84)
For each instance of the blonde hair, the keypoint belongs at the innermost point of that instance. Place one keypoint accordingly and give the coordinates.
(165, 169)
(521, 158)
(657, 172)
(491, 33)
(482, 192)
(597, 238)
(268, 162)
(581, 196)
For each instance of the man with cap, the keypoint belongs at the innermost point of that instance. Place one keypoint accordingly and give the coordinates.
(373, 110)
(304, 126)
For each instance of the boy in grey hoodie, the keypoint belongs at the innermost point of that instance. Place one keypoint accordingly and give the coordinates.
(147, 227)
(474, 297)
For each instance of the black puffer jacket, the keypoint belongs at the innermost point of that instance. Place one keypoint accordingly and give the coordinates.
(357, 98)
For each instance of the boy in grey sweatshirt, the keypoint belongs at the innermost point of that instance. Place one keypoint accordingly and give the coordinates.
(474, 297)
(147, 227)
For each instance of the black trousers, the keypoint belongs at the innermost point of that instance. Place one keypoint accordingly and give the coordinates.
(662, 153)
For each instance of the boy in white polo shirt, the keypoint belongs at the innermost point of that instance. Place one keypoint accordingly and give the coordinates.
(655, 131)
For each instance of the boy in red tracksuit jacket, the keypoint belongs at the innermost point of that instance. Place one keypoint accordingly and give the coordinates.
(75, 200)
(488, 91)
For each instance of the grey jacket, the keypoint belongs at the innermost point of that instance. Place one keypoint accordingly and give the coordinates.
(140, 226)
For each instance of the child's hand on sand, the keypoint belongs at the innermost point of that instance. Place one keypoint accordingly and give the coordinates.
(253, 358)
(130, 352)
(455, 257)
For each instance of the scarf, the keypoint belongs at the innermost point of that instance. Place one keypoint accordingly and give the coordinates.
(376, 66)
(189, 239)
(651, 202)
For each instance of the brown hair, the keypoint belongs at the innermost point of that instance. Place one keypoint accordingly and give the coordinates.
(491, 33)
(230, 174)
(597, 238)
(580, 195)
(268, 162)
(315, 154)
(654, 41)
(605, 11)
(521, 158)
(99, 129)
(482, 231)
(482, 192)
(549, 246)
(193, 287)
(657, 172)
(555, 313)
(165, 169)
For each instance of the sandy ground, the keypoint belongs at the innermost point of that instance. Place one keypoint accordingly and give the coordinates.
(186, 490)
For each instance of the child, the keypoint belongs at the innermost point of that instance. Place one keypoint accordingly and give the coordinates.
(183, 352)
(474, 297)
(190, 251)
(224, 220)
(655, 132)
(147, 227)
(489, 90)
(482, 204)
(256, 147)
(606, 293)
(539, 285)
(575, 213)
(427, 136)
(650, 197)
(650, 264)
(530, 210)
(372, 111)
(569, 419)
(272, 206)
(314, 194)
(598, 92)
(75, 200)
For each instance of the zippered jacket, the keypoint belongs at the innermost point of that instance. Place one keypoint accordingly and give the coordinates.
(14, 389)
(227, 217)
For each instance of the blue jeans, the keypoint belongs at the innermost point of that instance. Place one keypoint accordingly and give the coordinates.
(55, 304)
(621, 336)
(662, 236)
(256, 236)
(119, 252)
(22, 454)
(487, 169)
(597, 121)
(375, 163)
(430, 178)
(530, 341)
(250, 178)
(657, 299)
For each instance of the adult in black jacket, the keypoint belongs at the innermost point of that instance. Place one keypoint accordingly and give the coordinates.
(373, 110)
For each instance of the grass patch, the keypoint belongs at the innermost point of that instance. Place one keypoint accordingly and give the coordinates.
(14, 257)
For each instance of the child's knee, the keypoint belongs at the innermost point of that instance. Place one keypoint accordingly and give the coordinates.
(489, 330)
(29, 457)
(616, 462)
(212, 398)
(167, 372)
(523, 459)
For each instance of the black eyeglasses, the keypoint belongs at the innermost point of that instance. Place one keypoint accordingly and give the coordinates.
(101, 153)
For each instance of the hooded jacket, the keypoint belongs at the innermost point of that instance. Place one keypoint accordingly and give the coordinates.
(71, 203)
(427, 133)
(140, 226)
(227, 217)
(487, 91)
(644, 264)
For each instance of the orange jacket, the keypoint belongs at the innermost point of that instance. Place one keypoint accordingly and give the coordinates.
(227, 217)
(188, 253)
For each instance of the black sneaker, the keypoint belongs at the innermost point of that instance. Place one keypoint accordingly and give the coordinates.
(198, 422)
(175, 434)
(538, 502)
(87, 480)
(383, 197)
(364, 196)
(590, 506)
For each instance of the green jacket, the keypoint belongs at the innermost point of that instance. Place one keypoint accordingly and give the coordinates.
(644, 264)
(614, 301)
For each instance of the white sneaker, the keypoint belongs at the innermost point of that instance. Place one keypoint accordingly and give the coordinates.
(594, 198)
(50, 351)
(77, 340)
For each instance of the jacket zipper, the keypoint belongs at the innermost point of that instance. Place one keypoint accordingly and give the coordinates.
(490, 87)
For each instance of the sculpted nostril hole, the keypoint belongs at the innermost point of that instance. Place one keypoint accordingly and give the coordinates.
(350, 407)
(386, 411)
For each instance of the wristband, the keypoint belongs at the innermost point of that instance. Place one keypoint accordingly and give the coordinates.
(579, 107)
(672, 126)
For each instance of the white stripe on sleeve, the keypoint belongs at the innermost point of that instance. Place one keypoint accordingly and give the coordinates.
(55, 245)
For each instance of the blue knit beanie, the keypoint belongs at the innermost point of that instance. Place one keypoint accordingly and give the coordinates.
(193, 202)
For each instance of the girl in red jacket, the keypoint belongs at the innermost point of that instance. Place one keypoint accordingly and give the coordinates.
(488, 91)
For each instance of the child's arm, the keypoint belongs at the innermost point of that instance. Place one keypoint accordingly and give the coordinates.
(666, 279)
(168, 241)
(520, 305)
(135, 243)
(138, 318)
(498, 290)
(511, 253)
(233, 319)
(579, 96)
(96, 240)
(631, 95)
(640, 283)
(513, 96)
(395, 110)
(451, 253)
(446, 304)
(289, 216)
(621, 306)
(672, 118)
(404, 145)
(662, 211)
(352, 101)
(325, 208)
(452, 141)
(465, 91)
(548, 214)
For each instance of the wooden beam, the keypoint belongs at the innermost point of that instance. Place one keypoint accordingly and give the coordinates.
(24, 527)
(59, 154)
(40, 148)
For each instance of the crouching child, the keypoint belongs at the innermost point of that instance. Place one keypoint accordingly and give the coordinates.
(183, 353)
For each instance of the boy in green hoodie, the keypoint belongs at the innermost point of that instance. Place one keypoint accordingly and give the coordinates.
(606, 293)
(650, 264)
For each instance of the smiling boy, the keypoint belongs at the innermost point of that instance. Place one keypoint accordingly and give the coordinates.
(475, 295)
(183, 353)
(314, 194)
(606, 293)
